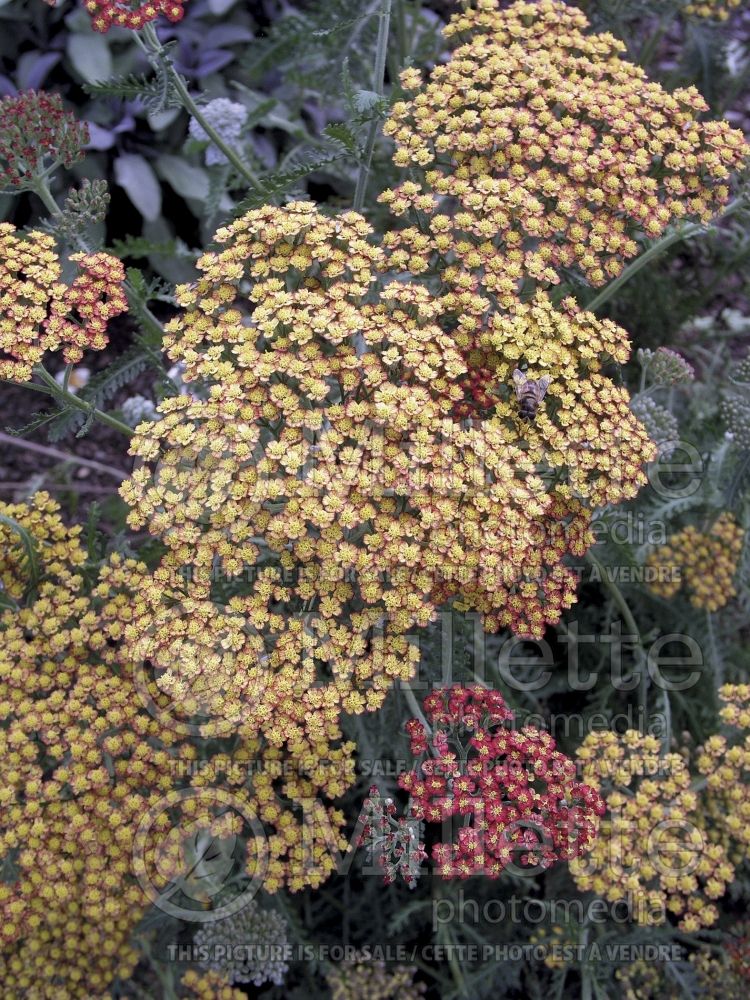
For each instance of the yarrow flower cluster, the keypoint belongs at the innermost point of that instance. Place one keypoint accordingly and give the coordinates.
(106, 14)
(86, 751)
(82, 208)
(703, 562)
(39, 313)
(517, 795)
(716, 976)
(210, 985)
(543, 150)
(724, 760)
(586, 430)
(717, 9)
(227, 118)
(365, 979)
(243, 947)
(36, 132)
(651, 849)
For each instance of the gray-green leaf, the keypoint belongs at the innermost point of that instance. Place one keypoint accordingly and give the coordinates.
(90, 56)
(135, 175)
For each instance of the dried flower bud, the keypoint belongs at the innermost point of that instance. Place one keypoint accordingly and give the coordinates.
(136, 409)
(83, 207)
(661, 425)
(665, 367)
(243, 947)
(735, 411)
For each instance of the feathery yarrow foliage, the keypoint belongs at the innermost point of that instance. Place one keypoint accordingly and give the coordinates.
(39, 313)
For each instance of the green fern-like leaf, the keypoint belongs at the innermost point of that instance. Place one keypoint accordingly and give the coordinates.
(38, 419)
(68, 421)
(343, 136)
(104, 385)
(278, 184)
(156, 93)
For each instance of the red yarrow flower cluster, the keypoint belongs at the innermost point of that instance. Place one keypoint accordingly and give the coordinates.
(36, 130)
(106, 14)
(518, 796)
(93, 299)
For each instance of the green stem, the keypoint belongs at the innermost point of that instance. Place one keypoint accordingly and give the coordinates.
(616, 595)
(629, 619)
(681, 233)
(379, 85)
(401, 33)
(143, 314)
(80, 404)
(42, 191)
(155, 48)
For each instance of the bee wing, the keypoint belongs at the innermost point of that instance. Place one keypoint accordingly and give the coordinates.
(542, 385)
(519, 379)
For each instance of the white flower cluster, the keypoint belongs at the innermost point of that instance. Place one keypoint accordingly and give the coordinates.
(247, 947)
(227, 118)
(136, 409)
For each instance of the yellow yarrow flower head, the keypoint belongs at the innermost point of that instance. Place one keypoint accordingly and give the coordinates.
(329, 446)
(718, 10)
(703, 562)
(537, 149)
(208, 985)
(89, 746)
(362, 978)
(653, 849)
(724, 760)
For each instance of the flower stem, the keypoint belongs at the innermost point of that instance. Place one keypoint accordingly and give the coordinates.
(379, 85)
(58, 392)
(676, 236)
(41, 189)
(155, 48)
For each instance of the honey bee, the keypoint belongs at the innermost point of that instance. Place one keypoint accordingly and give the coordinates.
(529, 393)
